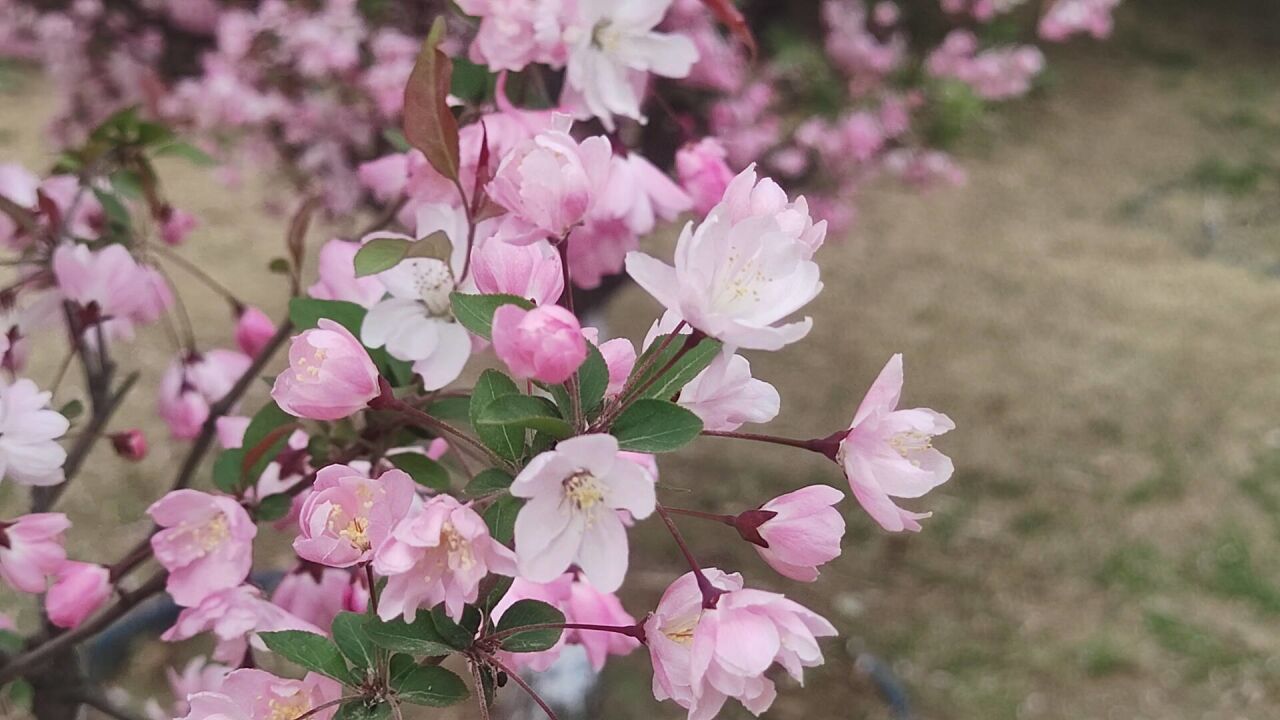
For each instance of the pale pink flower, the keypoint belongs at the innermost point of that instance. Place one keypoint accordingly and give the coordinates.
(415, 322)
(704, 172)
(198, 675)
(515, 34)
(800, 530)
(613, 48)
(554, 593)
(206, 543)
(387, 176)
(598, 249)
(31, 548)
(348, 515)
(78, 590)
(702, 657)
(330, 375)
(582, 603)
(192, 384)
(995, 74)
(112, 281)
(738, 273)
(177, 225)
(29, 432)
(724, 395)
(548, 183)
(532, 271)
(639, 194)
(336, 276)
(19, 185)
(251, 694)
(1065, 18)
(67, 194)
(318, 594)
(234, 616)
(889, 453)
(253, 330)
(439, 553)
(544, 343)
(574, 493)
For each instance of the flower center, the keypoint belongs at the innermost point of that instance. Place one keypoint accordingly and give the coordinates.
(354, 531)
(458, 546)
(434, 281)
(583, 490)
(910, 442)
(308, 369)
(605, 36)
(212, 533)
(682, 633)
(287, 708)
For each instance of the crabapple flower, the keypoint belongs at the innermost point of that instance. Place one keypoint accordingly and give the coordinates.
(1065, 18)
(748, 197)
(703, 172)
(544, 343)
(888, 453)
(574, 493)
(78, 590)
(735, 277)
(317, 594)
(548, 183)
(206, 543)
(31, 548)
(532, 271)
(438, 554)
(330, 375)
(800, 530)
(251, 694)
(110, 280)
(234, 616)
(29, 432)
(416, 322)
(515, 34)
(702, 657)
(612, 49)
(336, 276)
(581, 603)
(192, 384)
(198, 675)
(349, 515)
(724, 395)
(253, 331)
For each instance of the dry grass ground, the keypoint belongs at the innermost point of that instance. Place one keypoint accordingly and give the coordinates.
(1097, 310)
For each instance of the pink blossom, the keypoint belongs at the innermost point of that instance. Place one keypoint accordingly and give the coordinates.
(330, 375)
(702, 657)
(19, 185)
(348, 515)
(192, 384)
(581, 603)
(739, 273)
(888, 453)
(801, 530)
(82, 213)
(336, 276)
(129, 444)
(387, 176)
(532, 271)
(994, 74)
(439, 553)
(253, 331)
(206, 543)
(862, 54)
(31, 548)
(198, 675)
(639, 194)
(725, 396)
(29, 432)
(703, 172)
(318, 594)
(574, 493)
(544, 343)
(1065, 18)
(548, 183)
(598, 249)
(78, 590)
(233, 615)
(177, 225)
(112, 281)
(251, 694)
(515, 34)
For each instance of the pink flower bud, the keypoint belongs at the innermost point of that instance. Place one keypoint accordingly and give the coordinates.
(253, 331)
(544, 343)
(79, 590)
(703, 172)
(31, 548)
(796, 532)
(329, 377)
(130, 444)
(177, 225)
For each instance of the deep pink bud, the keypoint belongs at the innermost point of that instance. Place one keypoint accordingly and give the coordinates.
(79, 590)
(544, 343)
(176, 226)
(329, 377)
(130, 444)
(253, 331)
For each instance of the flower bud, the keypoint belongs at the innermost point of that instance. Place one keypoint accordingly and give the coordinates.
(253, 331)
(545, 343)
(130, 444)
(330, 375)
(79, 590)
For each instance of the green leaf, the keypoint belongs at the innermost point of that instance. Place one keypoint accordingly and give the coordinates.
(488, 482)
(278, 266)
(429, 124)
(684, 369)
(273, 507)
(501, 518)
(188, 152)
(530, 612)
(457, 635)
(500, 585)
(305, 313)
(72, 409)
(400, 666)
(419, 638)
(430, 685)
(395, 138)
(475, 312)
(451, 408)
(358, 710)
(424, 471)
(655, 426)
(311, 651)
(10, 641)
(508, 442)
(351, 638)
(385, 253)
(114, 209)
(228, 471)
(593, 379)
(523, 412)
(470, 81)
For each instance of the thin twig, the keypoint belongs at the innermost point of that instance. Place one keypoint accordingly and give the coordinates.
(524, 685)
(211, 282)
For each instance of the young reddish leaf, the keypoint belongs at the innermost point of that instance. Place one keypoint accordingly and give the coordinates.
(429, 124)
(732, 18)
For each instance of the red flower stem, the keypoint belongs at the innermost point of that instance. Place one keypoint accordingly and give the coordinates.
(710, 593)
(523, 685)
(723, 519)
